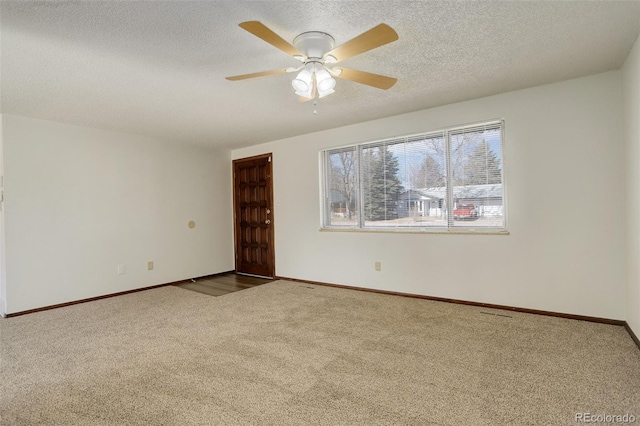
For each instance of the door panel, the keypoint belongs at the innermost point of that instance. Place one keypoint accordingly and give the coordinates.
(253, 208)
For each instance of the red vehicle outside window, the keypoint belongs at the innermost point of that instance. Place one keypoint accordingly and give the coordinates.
(465, 211)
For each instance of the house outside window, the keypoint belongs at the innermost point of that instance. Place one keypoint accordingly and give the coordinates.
(448, 180)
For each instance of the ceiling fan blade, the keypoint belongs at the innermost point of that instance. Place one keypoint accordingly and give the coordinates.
(257, 74)
(375, 37)
(375, 80)
(259, 30)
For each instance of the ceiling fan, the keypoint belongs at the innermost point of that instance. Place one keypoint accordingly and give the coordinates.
(317, 52)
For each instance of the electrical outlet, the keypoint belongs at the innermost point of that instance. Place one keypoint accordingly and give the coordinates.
(121, 270)
(378, 266)
(150, 265)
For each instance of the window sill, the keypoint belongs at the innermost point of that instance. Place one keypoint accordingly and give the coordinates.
(419, 231)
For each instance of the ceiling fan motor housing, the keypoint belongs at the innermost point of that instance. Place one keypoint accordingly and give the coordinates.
(314, 44)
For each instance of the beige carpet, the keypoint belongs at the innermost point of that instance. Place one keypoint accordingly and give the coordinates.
(287, 353)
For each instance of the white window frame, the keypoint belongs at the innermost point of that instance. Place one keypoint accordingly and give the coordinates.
(325, 203)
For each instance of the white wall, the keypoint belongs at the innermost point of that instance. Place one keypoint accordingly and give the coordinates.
(3, 287)
(80, 201)
(565, 188)
(631, 98)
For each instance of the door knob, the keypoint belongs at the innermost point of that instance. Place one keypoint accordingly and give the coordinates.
(267, 221)
(268, 211)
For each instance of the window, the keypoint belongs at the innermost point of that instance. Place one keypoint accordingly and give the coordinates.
(445, 180)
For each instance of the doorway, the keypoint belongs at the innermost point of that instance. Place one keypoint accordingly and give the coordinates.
(253, 216)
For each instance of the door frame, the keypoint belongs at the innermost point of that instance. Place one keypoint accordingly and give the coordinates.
(271, 244)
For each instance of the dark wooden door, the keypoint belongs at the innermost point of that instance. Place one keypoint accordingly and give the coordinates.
(253, 207)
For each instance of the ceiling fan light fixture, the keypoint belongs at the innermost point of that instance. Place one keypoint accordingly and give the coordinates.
(323, 93)
(303, 81)
(326, 85)
(324, 81)
(299, 85)
(308, 94)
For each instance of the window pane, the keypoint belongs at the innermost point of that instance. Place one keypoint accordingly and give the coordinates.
(381, 185)
(476, 164)
(342, 187)
(423, 203)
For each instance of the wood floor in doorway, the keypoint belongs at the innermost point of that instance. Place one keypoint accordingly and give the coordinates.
(219, 285)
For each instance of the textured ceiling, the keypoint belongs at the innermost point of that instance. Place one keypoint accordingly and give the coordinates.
(157, 68)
